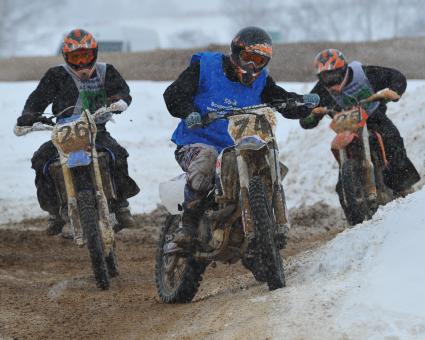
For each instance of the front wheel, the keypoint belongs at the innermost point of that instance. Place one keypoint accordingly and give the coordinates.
(111, 263)
(177, 276)
(88, 218)
(269, 257)
(356, 207)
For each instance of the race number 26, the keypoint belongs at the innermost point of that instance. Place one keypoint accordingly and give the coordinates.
(80, 130)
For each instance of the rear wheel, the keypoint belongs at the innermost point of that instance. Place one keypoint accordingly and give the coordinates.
(177, 276)
(356, 206)
(88, 218)
(270, 262)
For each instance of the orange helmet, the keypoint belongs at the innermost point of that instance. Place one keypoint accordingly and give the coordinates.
(331, 67)
(79, 50)
(251, 52)
(329, 60)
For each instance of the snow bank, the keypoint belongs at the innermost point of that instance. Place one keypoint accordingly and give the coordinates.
(367, 283)
(145, 130)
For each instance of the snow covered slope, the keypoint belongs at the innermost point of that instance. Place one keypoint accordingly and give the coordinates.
(145, 130)
(367, 283)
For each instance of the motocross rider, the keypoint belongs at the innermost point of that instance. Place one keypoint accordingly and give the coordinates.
(211, 82)
(340, 85)
(80, 83)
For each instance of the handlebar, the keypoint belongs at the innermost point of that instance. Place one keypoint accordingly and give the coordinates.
(385, 94)
(212, 116)
(42, 123)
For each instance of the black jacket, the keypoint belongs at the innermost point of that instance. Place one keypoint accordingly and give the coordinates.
(179, 95)
(379, 78)
(58, 88)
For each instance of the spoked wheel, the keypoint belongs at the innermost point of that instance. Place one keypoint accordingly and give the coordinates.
(177, 275)
(111, 263)
(356, 210)
(253, 264)
(269, 256)
(88, 217)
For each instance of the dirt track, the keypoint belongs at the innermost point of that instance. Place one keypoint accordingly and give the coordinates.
(47, 289)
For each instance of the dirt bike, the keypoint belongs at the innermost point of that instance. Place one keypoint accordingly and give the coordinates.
(245, 215)
(360, 153)
(83, 185)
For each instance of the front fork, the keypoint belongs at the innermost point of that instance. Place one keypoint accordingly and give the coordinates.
(104, 220)
(279, 204)
(367, 166)
(247, 221)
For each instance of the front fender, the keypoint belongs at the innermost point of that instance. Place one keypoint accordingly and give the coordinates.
(254, 143)
(343, 139)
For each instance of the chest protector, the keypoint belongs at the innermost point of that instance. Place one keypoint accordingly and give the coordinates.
(359, 88)
(92, 93)
(216, 92)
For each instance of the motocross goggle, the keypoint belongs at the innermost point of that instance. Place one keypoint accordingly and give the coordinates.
(333, 77)
(258, 61)
(81, 59)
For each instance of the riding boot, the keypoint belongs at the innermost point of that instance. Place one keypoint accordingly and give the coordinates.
(185, 235)
(124, 219)
(55, 224)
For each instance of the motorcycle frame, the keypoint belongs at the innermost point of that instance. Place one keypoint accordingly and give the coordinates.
(104, 219)
(357, 141)
(268, 154)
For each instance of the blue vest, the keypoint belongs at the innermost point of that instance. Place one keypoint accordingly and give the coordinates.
(216, 92)
(359, 88)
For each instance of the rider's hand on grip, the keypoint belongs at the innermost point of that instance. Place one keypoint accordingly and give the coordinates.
(118, 107)
(389, 94)
(311, 100)
(102, 115)
(291, 104)
(193, 120)
(27, 120)
(319, 112)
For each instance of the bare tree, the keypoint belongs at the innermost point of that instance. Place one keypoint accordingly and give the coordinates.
(253, 12)
(4, 13)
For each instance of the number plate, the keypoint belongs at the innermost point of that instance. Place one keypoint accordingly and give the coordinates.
(249, 125)
(346, 121)
(72, 136)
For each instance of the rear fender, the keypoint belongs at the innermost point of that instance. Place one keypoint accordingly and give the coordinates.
(343, 139)
(171, 194)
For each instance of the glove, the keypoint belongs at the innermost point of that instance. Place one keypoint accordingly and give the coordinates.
(118, 106)
(291, 104)
(27, 120)
(389, 95)
(102, 115)
(319, 112)
(193, 120)
(311, 100)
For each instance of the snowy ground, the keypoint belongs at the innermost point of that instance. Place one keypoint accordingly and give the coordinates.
(145, 130)
(367, 283)
(373, 291)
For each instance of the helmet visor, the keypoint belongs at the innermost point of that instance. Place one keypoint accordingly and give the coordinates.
(333, 77)
(81, 58)
(258, 60)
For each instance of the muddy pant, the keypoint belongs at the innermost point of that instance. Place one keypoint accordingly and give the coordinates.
(401, 174)
(46, 193)
(198, 161)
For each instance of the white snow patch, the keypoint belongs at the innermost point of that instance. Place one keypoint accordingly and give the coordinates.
(367, 283)
(145, 130)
